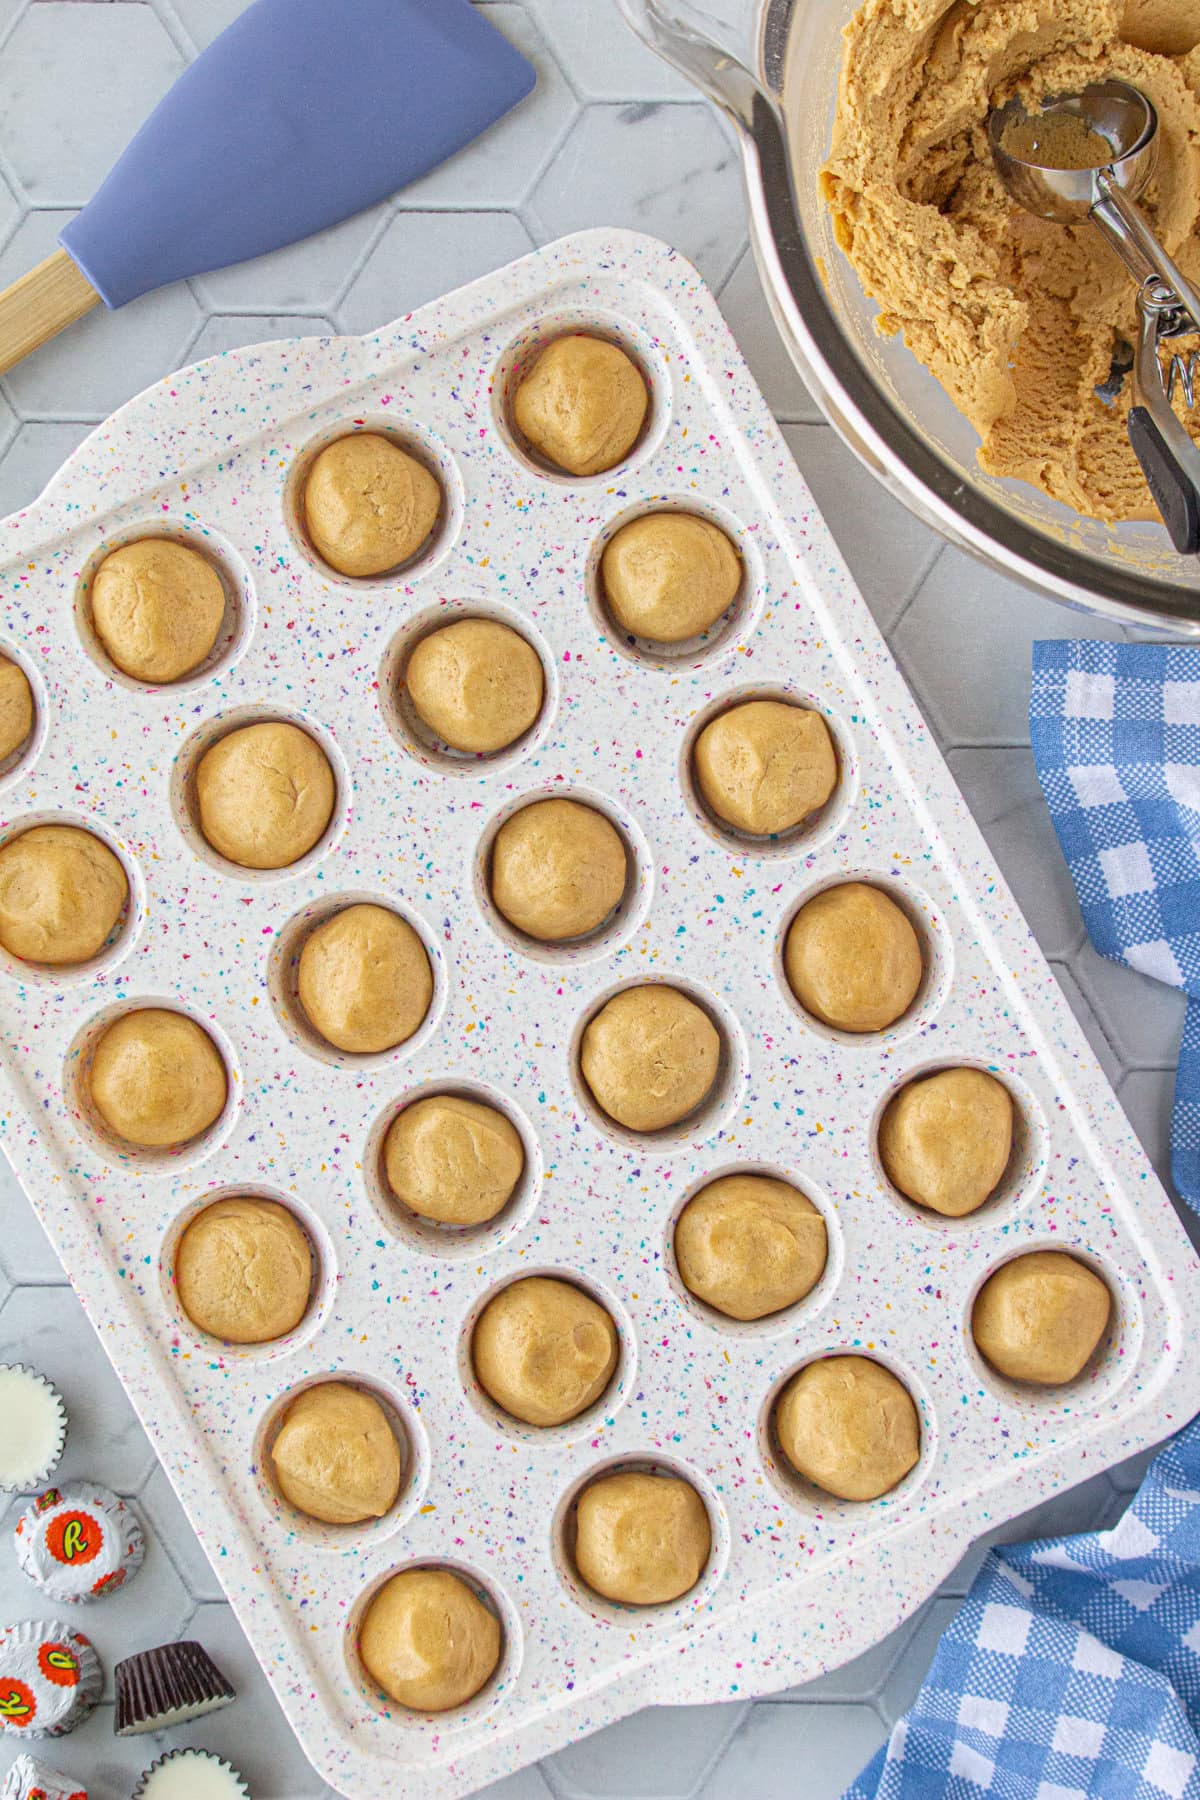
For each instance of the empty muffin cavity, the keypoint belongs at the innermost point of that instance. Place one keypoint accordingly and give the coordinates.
(418, 472)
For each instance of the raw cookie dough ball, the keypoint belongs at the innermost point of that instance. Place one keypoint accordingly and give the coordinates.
(544, 1350)
(477, 685)
(852, 958)
(16, 707)
(157, 1078)
(945, 1140)
(364, 979)
(641, 1540)
(157, 608)
(61, 894)
(452, 1160)
(765, 766)
(847, 1425)
(750, 1245)
(243, 1271)
(369, 506)
(582, 404)
(429, 1641)
(668, 576)
(558, 869)
(650, 1056)
(335, 1456)
(1040, 1317)
(265, 794)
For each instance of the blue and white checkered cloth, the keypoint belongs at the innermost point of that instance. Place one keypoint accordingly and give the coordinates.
(1072, 1671)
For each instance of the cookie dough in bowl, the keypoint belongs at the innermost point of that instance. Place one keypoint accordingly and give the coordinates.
(369, 506)
(544, 1350)
(669, 576)
(453, 1160)
(265, 794)
(852, 958)
(244, 1270)
(364, 980)
(558, 870)
(62, 892)
(641, 1539)
(582, 403)
(1040, 1317)
(157, 608)
(849, 1426)
(428, 1640)
(157, 1079)
(750, 1245)
(16, 707)
(650, 1056)
(945, 1140)
(476, 684)
(765, 766)
(335, 1455)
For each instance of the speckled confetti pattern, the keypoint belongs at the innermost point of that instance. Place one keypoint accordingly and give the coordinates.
(795, 1584)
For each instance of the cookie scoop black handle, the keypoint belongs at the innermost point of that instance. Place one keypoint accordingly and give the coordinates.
(1174, 491)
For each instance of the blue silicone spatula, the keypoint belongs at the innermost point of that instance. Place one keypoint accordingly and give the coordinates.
(300, 113)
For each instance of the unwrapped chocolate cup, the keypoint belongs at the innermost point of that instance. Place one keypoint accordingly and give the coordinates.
(30, 1780)
(209, 1777)
(49, 1678)
(168, 1685)
(35, 1428)
(79, 1541)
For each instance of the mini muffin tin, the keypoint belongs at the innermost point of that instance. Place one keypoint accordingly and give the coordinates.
(796, 1582)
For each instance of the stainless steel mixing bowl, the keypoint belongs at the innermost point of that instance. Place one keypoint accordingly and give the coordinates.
(772, 66)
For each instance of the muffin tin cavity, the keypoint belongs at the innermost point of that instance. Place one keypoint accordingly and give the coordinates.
(420, 443)
(405, 1425)
(283, 965)
(626, 917)
(1106, 1370)
(724, 636)
(117, 1152)
(595, 1417)
(441, 1725)
(237, 624)
(713, 1111)
(426, 1236)
(937, 960)
(1024, 1175)
(186, 1336)
(804, 1496)
(410, 730)
(126, 932)
(523, 351)
(810, 834)
(18, 762)
(186, 811)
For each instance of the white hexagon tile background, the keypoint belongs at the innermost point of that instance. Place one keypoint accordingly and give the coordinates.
(609, 136)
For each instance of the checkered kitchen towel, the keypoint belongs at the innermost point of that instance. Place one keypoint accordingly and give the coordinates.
(1072, 1671)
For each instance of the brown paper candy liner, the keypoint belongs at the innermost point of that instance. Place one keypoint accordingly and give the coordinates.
(226, 1783)
(168, 1685)
(49, 1678)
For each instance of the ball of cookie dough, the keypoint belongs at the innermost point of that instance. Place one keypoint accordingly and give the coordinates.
(1040, 1317)
(582, 404)
(452, 1160)
(368, 505)
(852, 958)
(668, 576)
(16, 707)
(763, 767)
(429, 1641)
(558, 869)
(265, 794)
(157, 608)
(157, 1078)
(544, 1350)
(847, 1425)
(641, 1540)
(335, 1456)
(750, 1245)
(364, 979)
(650, 1056)
(243, 1271)
(61, 893)
(477, 685)
(945, 1140)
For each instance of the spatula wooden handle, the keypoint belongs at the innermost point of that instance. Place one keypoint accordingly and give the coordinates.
(40, 305)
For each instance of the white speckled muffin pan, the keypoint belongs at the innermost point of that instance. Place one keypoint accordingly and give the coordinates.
(796, 1583)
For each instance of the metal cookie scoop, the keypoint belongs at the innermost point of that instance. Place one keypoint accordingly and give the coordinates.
(1088, 156)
